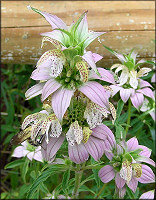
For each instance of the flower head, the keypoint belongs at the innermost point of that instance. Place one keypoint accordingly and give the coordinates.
(26, 149)
(63, 86)
(74, 36)
(128, 81)
(126, 165)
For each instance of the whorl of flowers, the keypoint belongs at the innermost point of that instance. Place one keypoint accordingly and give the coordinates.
(129, 82)
(127, 165)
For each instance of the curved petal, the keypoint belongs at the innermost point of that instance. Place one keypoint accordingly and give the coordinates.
(82, 29)
(78, 153)
(146, 160)
(137, 100)
(121, 192)
(105, 75)
(120, 182)
(30, 155)
(89, 59)
(115, 89)
(143, 72)
(95, 147)
(18, 152)
(101, 131)
(147, 92)
(96, 93)
(92, 36)
(34, 91)
(96, 57)
(41, 74)
(133, 184)
(147, 175)
(50, 87)
(146, 151)
(56, 35)
(147, 195)
(53, 20)
(106, 173)
(123, 77)
(153, 79)
(144, 84)
(49, 150)
(125, 94)
(61, 101)
(132, 144)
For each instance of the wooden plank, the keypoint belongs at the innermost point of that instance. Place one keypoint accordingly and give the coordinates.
(25, 43)
(128, 24)
(102, 15)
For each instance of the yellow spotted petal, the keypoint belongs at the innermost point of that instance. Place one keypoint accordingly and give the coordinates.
(77, 132)
(83, 69)
(137, 169)
(86, 134)
(53, 54)
(126, 171)
(56, 43)
(113, 111)
(143, 72)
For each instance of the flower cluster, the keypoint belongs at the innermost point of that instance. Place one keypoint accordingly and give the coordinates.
(126, 165)
(76, 100)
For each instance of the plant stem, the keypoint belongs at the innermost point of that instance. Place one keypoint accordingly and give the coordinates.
(129, 115)
(78, 175)
(103, 187)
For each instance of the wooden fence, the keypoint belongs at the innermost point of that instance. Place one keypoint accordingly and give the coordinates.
(129, 24)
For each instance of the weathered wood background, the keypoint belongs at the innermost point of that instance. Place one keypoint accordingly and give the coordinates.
(129, 24)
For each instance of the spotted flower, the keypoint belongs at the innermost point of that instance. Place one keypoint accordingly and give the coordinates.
(82, 142)
(63, 86)
(128, 82)
(26, 149)
(84, 134)
(40, 123)
(126, 165)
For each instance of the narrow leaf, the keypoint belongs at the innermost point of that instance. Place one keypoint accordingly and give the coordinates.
(65, 180)
(14, 164)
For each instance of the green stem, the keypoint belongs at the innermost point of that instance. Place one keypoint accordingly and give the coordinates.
(103, 187)
(129, 115)
(78, 175)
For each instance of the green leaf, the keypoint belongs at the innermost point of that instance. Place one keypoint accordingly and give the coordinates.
(33, 174)
(67, 33)
(120, 131)
(110, 50)
(119, 109)
(87, 179)
(13, 164)
(44, 188)
(25, 169)
(70, 53)
(43, 177)
(130, 193)
(65, 180)
(95, 172)
(75, 26)
(85, 188)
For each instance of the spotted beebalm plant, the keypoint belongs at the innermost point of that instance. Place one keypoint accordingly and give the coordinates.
(127, 165)
(76, 99)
